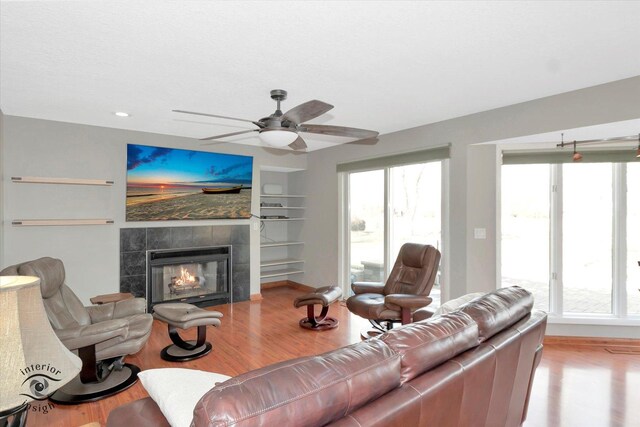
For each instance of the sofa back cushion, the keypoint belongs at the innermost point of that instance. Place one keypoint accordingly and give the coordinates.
(310, 391)
(428, 343)
(498, 310)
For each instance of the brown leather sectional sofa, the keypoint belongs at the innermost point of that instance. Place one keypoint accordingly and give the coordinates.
(472, 367)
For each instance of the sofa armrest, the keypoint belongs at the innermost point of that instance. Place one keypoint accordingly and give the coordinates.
(367, 288)
(411, 302)
(84, 336)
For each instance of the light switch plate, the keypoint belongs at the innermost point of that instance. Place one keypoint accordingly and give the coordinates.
(479, 233)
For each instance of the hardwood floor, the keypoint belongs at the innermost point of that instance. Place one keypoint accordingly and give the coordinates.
(574, 385)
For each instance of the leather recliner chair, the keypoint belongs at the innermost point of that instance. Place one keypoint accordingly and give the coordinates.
(406, 290)
(102, 335)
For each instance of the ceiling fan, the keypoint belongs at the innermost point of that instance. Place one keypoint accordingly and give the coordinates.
(280, 130)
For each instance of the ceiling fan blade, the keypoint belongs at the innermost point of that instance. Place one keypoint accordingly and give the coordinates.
(298, 144)
(217, 116)
(338, 131)
(228, 134)
(366, 141)
(307, 111)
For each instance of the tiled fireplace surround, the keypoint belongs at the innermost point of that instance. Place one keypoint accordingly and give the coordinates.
(134, 242)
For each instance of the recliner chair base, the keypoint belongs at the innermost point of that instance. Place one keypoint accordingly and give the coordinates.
(377, 328)
(77, 392)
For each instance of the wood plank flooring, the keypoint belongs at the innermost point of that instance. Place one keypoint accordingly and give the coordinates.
(574, 386)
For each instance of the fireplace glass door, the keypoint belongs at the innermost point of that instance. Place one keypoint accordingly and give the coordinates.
(188, 276)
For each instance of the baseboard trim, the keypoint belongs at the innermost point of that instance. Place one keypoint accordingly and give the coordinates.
(301, 287)
(592, 341)
(255, 297)
(287, 283)
(276, 284)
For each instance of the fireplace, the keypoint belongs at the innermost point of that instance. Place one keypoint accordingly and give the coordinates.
(199, 276)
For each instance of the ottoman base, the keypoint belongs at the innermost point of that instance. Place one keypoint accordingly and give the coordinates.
(173, 353)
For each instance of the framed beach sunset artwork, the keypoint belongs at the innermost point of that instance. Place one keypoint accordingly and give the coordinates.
(172, 184)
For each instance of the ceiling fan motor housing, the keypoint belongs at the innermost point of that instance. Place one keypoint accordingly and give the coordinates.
(278, 94)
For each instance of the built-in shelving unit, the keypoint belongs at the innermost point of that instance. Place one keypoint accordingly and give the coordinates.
(281, 247)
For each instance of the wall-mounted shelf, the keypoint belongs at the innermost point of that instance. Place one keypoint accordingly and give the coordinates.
(280, 262)
(281, 207)
(40, 222)
(70, 181)
(276, 273)
(281, 219)
(281, 196)
(275, 244)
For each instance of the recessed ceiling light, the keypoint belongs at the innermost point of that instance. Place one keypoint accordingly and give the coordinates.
(121, 114)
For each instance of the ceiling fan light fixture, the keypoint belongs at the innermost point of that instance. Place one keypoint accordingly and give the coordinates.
(278, 138)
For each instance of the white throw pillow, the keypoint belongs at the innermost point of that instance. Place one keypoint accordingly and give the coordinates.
(177, 390)
(452, 305)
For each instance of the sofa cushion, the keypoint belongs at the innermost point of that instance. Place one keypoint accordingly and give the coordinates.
(428, 343)
(310, 391)
(499, 309)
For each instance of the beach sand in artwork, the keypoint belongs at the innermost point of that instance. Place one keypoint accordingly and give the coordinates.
(189, 206)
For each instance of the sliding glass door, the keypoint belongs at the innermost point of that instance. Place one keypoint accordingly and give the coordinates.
(388, 207)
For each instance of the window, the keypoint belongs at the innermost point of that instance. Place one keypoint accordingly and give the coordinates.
(525, 230)
(570, 234)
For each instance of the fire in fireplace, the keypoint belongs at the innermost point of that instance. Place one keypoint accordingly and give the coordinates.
(187, 280)
(194, 275)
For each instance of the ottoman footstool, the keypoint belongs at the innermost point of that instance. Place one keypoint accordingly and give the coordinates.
(184, 316)
(324, 297)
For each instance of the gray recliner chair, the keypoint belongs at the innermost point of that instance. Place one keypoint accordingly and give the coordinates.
(102, 335)
(406, 290)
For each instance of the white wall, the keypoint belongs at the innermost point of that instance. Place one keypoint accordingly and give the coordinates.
(35, 147)
(472, 176)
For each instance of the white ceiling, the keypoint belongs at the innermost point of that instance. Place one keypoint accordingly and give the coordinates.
(385, 66)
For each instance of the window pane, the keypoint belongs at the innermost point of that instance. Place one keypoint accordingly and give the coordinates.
(587, 237)
(416, 208)
(366, 204)
(633, 238)
(525, 230)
